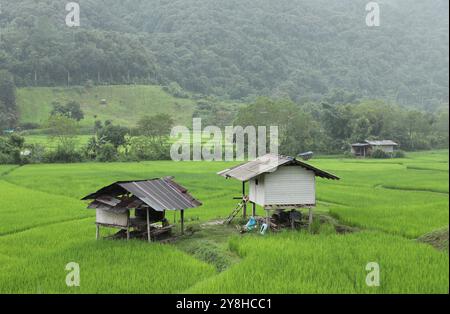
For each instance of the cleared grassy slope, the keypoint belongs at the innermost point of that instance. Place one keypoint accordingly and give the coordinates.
(125, 104)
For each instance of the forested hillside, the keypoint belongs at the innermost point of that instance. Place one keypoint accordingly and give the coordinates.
(235, 48)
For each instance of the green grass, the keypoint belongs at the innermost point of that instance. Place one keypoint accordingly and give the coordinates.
(34, 262)
(301, 263)
(125, 104)
(5, 169)
(43, 207)
(44, 226)
(49, 143)
(80, 140)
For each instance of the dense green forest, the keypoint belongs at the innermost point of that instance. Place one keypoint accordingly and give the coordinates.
(239, 49)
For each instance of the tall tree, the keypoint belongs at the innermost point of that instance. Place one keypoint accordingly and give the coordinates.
(8, 109)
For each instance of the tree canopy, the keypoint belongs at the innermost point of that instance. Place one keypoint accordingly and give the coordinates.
(297, 49)
(8, 109)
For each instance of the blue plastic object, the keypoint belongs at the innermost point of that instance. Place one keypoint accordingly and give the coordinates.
(251, 224)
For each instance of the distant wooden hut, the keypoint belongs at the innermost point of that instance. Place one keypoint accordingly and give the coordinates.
(277, 183)
(368, 146)
(150, 199)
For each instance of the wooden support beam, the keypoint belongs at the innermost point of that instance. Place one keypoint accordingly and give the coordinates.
(148, 226)
(128, 227)
(244, 208)
(268, 219)
(97, 231)
(182, 221)
(310, 221)
(291, 215)
(253, 209)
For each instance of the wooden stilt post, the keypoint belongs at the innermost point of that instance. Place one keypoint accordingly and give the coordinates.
(97, 231)
(148, 226)
(268, 219)
(182, 221)
(310, 219)
(292, 220)
(253, 209)
(128, 226)
(244, 208)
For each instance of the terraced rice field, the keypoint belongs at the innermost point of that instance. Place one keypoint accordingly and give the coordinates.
(44, 226)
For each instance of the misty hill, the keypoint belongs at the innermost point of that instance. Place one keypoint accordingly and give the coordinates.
(235, 48)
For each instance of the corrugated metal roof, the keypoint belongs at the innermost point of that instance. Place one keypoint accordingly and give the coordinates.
(381, 143)
(269, 163)
(360, 144)
(159, 194)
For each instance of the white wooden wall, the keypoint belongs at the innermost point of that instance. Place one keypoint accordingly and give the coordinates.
(288, 185)
(387, 149)
(256, 193)
(111, 218)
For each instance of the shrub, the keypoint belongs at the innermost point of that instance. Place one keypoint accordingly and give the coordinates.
(379, 154)
(5, 159)
(107, 152)
(36, 156)
(176, 90)
(348, 154)
(16, 140)
(115, 134)
(29, 126)
(10, 148)
(64, 154)
(143, 148)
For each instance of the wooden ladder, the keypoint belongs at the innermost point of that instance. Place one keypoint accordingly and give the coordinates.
(234, 213)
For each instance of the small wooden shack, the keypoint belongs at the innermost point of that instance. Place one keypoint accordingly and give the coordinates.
(277, 183)
(149, 199)
(368, 146)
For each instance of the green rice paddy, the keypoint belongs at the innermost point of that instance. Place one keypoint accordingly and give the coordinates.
(44, 226)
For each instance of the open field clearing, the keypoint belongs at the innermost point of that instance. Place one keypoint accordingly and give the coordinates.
(124, 104)
(393, 202)
(48, 143)
(80, 140)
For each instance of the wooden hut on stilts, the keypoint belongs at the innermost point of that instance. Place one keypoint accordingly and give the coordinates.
(150, 199)
(276, 183)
